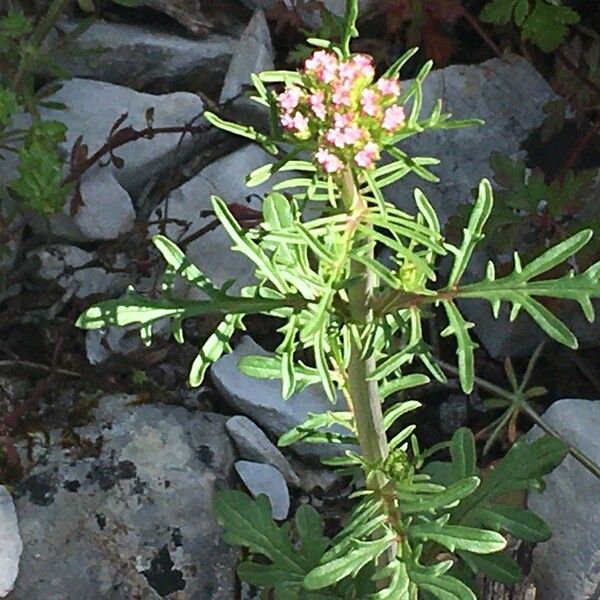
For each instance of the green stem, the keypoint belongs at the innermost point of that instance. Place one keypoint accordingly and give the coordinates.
(364, 394)
(366, 403)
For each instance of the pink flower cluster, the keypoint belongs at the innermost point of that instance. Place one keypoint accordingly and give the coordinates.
(340, 106)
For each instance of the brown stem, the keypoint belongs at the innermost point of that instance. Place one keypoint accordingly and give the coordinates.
(125, 136)
(476, 25)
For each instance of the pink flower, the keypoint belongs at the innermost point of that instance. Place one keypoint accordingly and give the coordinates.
(300, 122)
(353, 134)
(336, 137)
(324, 65)
(290, 98)
(393, 118)
(370, 102)
(367, 156)
(317, 103)
(287, 121)
(341, 95)
(329, 161)
(342, 120)
(364, 65)
(389, 87)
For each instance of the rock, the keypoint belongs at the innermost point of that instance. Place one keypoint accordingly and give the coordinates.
(508, 94)
(254, 445)
(94, 106)
(315, 479)
(127, 513)
(11, 545)
(261, 399)
(267, 480)
(186, 12)
(148, 59)
(310, 14)
(224, 178)
(66, 266)
(453, 413)
(567, 567)
(102, 344)
(253, 55)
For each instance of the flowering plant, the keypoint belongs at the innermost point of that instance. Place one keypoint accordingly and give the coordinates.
(419, 529)
(339, 107)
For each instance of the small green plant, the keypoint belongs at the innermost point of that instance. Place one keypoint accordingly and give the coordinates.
(542, 22)
(419, 529)
(531, 214)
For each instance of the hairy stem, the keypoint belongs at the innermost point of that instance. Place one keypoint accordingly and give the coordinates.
(364, 394)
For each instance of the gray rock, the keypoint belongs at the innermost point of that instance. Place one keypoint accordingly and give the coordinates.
(107, 211)
(102, 344)
(453, 413)
(567, 567)
(254, 445)
(128, 514)
(66, 266)
(313, 479)
(253, 55)
(225, 178)
(310, 14)
(144, 58)
(508, 94)
(11, 545)
(267, 480)
(94, 106)
(261, 399)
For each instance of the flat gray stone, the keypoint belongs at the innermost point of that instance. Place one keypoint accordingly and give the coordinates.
(66, 266)
(128, 514)
(567, 567)
(225, 178)
(254, 54)
(265, 479)
(261, 399)
(145, 58)
(253, 444)
(94, 106)
(11, 545)
(508, 94)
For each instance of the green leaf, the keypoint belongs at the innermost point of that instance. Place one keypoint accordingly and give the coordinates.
(134, 309)
(463, 453)
(246, 246)
(500, 11)
(249, 523)
(350, 564)
(521, 469)
(499, 567)
(8, 105)
(448, 498)
(519, 522)
(398, 410)
(213, 348)
(453, 537)
(473, 234)
(317, 430)
(547, 25)
(459, 327)
(183, 267)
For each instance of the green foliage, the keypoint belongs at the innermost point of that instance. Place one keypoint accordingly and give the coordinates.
(543, 22)
(357, 324)
(531, 214)
(24, 54)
